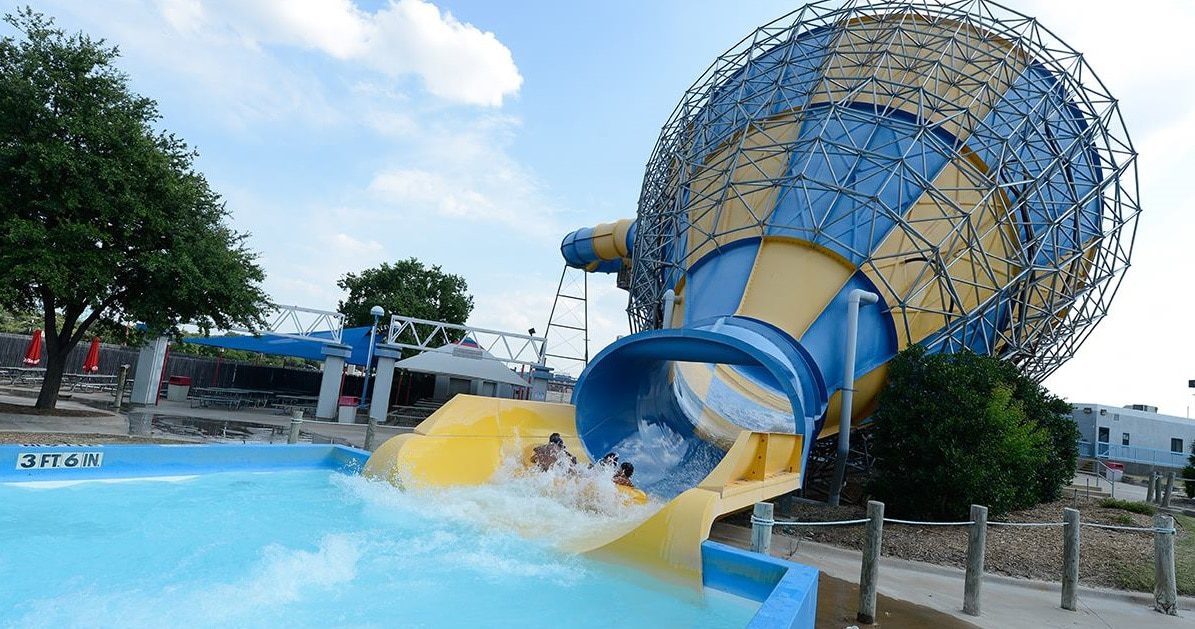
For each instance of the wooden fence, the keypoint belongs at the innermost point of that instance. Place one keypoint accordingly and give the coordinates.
(1165, 591)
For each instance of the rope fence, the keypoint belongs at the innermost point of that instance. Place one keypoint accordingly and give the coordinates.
(1112, 527)
(1163, 530)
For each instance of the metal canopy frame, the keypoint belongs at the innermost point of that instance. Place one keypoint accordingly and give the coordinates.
(1053, 307)
(301, 323)
(507, 347)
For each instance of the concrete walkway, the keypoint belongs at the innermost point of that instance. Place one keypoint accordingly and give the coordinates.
(108, 424)
(1123, 491)
(353, 434)
(1005, 601)
(113, 424)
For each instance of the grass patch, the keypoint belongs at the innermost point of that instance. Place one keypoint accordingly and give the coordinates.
(1122, 519)
(1141, 577)
(1144, 508)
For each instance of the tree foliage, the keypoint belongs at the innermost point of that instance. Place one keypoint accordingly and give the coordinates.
(101, 214)
(954, 430)
(406, 287)
(1189, 473)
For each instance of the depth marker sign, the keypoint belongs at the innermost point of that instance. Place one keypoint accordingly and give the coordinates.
(57, 460)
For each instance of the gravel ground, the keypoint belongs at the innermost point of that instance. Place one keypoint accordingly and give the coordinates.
(1026, 552)
(56, 438)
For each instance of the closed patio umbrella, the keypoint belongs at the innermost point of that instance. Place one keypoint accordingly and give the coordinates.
(92, 363)
(33, 354)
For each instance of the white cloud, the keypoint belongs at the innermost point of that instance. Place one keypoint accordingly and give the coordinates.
(422, 187)
(474, 178)
(454, 60)
(183, 15)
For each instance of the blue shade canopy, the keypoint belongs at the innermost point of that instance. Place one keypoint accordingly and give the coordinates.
(275, 345)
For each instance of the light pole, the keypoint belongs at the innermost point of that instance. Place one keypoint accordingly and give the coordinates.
(377, 313)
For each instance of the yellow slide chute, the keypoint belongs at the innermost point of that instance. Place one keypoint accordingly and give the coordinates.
(467, 440)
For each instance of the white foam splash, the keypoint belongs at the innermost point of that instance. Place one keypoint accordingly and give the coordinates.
(558, 508)
(283, 575)
(59, 484)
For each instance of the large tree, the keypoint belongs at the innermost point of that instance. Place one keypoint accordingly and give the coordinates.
(102, 214)
(406, 287)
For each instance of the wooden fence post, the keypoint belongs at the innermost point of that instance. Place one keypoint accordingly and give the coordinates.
(122, 378)
(977, 539)
(370, 427)
(870, 572)
(296, 422)
(1149, 488)
(1070, 559)
(761, 534)
(1165, 583)
(1169, 489)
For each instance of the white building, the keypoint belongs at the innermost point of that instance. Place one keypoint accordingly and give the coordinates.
(1137, 435)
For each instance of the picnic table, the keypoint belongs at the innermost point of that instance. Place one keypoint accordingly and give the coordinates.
(286, 402)
(91, 382)
(232, 397)
(22, 375)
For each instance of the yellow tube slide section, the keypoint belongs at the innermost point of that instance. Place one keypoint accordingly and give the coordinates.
(468, 439)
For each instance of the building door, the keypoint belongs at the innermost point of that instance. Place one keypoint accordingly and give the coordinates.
(1101, 447)
(458, 385)
(489, 389)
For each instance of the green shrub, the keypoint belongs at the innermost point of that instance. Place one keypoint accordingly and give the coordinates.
(954, 430)
(1144, 508)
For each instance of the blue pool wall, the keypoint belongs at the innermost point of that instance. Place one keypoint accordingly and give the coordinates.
(786, 591)
(132, 461)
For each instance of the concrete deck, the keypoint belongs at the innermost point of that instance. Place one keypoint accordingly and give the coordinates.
(1005, 601)
(114, 424)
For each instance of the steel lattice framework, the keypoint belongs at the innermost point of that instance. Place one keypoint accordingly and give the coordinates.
(1036, 223)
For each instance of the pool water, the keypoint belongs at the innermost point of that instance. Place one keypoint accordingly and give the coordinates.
(318, 548)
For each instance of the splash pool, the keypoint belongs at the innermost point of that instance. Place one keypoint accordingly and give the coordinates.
(304, 541)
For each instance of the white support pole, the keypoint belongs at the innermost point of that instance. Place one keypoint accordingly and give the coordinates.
(669, 308)
(147, 376)
(329, 388)
(379, 404)
(855, 300)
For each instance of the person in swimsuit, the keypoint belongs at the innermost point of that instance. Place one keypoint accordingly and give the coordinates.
(547, 455)
(623, 475)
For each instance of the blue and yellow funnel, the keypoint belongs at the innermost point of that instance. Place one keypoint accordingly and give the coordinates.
(965, 168)
(865, 153)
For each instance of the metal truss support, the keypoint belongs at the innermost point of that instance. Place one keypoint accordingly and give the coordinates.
(568, 324)
(423, 334)
(301, 323)
(819, 126)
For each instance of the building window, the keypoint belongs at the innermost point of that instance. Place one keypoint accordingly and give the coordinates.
(1176, 445)
(1124, 438)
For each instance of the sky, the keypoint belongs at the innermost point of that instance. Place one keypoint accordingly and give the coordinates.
(474, 134)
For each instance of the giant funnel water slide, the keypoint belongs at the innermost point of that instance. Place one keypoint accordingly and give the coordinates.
(964, 177)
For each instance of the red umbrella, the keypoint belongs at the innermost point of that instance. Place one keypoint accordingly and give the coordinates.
(33, 354)
(92, 363)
